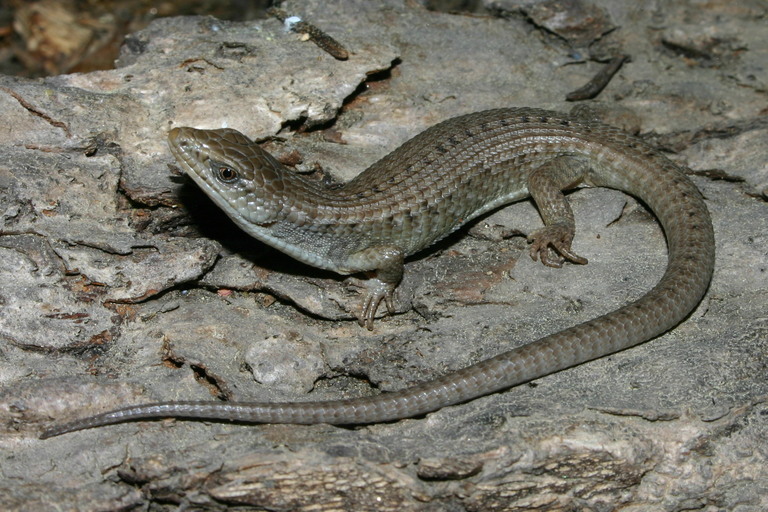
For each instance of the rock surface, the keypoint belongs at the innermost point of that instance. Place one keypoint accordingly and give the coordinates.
(123, 284)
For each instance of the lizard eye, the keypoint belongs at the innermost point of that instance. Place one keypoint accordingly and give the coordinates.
(226, 174)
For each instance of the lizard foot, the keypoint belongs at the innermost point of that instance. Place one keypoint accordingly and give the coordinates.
(377, 290)
(552, 245)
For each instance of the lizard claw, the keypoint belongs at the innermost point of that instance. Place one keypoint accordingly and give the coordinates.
(552, 245)
(377, 291)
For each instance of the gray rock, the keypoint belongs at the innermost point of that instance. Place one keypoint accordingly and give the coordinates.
(123, 284)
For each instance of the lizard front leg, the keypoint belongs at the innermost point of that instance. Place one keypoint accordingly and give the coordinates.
(387, 262)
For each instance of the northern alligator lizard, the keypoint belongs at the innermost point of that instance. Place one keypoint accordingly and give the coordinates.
(419, 193)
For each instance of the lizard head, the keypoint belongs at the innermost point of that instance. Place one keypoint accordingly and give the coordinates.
(239, 176)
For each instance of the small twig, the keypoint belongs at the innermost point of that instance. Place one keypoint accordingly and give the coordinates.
(599, 81)
(317, 36)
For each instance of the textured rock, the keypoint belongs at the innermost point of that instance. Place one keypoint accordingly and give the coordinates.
(123, 284)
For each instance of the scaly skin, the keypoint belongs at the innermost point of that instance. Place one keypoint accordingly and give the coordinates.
(430, 186)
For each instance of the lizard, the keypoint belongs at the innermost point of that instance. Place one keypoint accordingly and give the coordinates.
(427, 188)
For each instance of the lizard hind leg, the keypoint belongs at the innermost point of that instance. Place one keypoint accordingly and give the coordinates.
(552, 243)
